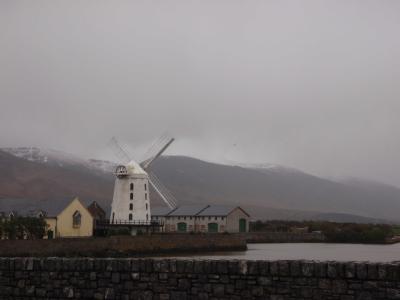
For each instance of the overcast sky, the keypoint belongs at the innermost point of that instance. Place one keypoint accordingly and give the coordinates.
(309, 84)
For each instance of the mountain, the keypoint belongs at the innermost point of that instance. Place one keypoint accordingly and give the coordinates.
(266, 191)
(278, 188)
(24, 179)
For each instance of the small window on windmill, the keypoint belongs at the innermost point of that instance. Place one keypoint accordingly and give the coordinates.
(76, 219)
(131, 196)
(145, 187)
(131, 206)
(147, 206)
(147, 217)
(131, 186)
(145, 196)
(130, 217)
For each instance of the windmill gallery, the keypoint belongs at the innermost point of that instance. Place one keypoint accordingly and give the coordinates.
(131, 207)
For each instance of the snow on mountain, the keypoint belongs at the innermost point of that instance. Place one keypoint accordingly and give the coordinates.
(47, 156)
(268, 167)
(59, 158)
(103, 165)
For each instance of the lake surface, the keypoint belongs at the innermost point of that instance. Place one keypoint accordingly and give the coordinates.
(309, 251)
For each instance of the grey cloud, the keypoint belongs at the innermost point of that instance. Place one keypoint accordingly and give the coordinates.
(310, 84)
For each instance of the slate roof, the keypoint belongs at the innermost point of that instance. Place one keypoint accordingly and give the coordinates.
(220, 210)
(26, 207)
(195, 210)
(217, 210)
(160, 211)
(96, 210)
(54, 207)
(188, 210)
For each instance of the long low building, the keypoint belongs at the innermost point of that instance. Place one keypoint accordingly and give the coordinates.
(203, 218)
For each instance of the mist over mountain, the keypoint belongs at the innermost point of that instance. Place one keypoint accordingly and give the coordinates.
(266, 191)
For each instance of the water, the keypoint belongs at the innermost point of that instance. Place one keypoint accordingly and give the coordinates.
(308, 251)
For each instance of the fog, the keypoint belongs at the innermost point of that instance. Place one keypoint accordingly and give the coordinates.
(313, 85)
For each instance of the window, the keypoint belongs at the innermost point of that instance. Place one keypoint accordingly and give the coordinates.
(209, 218)
(131, 197)
(184, 218)
(145, 187)
(147, 217)
(216, 218)
(179, 218)
(131, 206)
(76, 219)
(190, 218)
(145, 196)
(222, 218)
(147, 206)
(131, 186)
(130, 217)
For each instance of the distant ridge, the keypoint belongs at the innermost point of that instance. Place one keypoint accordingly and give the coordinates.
(267, 193)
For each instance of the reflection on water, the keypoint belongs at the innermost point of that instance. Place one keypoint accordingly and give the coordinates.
(308, 251)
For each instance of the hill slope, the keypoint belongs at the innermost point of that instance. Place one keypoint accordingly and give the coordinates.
(196, 181)
(21, 178)
(278, 193)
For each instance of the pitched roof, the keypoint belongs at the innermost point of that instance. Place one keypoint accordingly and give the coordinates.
(96, 210)
(160, 211)
(188, 210)
(25, 207)
(21, 207)
(196, 210)
(55, 207)
(219, 210)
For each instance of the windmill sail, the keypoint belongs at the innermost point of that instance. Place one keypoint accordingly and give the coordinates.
(164, 193)
(120, 152)
(156, 145)
(146, 164)
(131, 201)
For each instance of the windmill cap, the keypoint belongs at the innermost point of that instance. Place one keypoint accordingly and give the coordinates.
(134, 168)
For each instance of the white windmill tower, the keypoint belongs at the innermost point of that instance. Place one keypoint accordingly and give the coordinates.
(131, 200)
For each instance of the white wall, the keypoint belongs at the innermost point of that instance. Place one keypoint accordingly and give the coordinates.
(233, 220)
(121, 199)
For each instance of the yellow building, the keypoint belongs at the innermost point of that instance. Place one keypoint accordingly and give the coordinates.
(73, 220)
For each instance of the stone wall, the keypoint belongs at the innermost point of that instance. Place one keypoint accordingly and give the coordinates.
(125, 246)
(80, 278)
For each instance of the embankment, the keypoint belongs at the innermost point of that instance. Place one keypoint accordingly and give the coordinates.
(121, 246)
(99, 278)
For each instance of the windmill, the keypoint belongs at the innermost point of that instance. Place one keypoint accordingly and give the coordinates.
(131, 199)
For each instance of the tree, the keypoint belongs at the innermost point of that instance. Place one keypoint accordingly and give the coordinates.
(24, 227)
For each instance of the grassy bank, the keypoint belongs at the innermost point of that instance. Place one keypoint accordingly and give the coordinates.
(332, 231)
(121, 246)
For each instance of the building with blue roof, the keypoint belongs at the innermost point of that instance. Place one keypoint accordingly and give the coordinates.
(203, 218)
